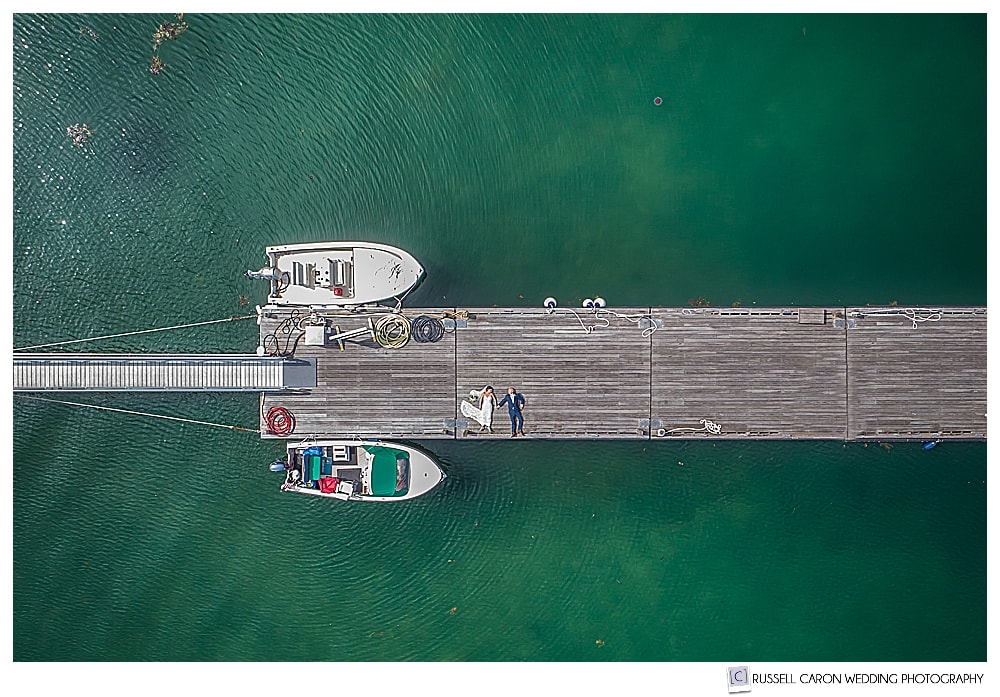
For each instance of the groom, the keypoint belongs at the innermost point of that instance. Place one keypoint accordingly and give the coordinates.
(515, 403)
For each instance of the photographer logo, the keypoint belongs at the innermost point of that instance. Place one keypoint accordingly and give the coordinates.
(739, 679)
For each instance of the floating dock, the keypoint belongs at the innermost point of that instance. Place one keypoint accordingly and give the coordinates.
(837, 373)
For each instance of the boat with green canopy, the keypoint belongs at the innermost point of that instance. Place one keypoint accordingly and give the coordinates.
(356, 470)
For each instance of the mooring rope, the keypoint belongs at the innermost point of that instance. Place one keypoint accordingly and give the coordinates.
(909, 313)
(634, 319)
(141, 331)
(140, 413)
(458, 315)
(706, 425)
(281, 341)
(455, 317)
(931, 316)
(589, 328)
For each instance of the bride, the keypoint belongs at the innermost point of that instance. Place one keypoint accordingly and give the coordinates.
(484, 414)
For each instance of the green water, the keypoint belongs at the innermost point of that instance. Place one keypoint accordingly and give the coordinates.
(795, 160)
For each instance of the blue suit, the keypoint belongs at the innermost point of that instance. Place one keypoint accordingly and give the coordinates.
(514, 402)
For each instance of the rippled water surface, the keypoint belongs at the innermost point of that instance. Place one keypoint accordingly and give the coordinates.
(794, 160)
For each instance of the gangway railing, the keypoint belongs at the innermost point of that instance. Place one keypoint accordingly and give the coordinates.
(83, 372)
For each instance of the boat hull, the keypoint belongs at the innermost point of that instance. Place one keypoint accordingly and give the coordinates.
(372, 467)
(339, 274)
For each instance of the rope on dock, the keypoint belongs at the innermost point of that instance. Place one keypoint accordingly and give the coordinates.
(140, 413)
(706, 425)
(634, 319)
(931, 317)
(283, 340)
(438, 320)
(427, 330)
(141, 331)
(279, 421)
(392, 331)
(909, 313)
(458, 315)
(587, 328)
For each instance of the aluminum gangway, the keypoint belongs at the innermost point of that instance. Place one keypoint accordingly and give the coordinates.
(87, 372)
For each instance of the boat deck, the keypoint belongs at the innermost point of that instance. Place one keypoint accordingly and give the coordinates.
(733, 373)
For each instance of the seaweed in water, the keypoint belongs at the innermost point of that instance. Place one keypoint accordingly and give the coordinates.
(165, 32)
(168, 31)
(79, 134)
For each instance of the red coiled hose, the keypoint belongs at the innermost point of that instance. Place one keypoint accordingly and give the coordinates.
(279, 421)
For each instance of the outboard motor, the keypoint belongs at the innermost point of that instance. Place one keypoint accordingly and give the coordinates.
(278, 466)
(266, 273)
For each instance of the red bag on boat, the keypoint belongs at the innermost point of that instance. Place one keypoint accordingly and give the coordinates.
(328, 485)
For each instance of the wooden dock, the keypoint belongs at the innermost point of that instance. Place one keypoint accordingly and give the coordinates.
(916, 376)
(650, 373)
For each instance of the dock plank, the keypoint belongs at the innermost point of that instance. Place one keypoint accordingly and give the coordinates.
(366, 390)
(924, 379)
(758, 373)
(576, 383)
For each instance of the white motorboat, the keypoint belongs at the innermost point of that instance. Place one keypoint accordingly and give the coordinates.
(358, 470)
(337, 274)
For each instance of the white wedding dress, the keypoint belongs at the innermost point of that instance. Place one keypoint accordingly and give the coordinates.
(484, 413)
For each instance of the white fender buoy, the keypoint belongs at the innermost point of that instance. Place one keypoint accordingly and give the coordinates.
(600, 302)
(588, 303)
